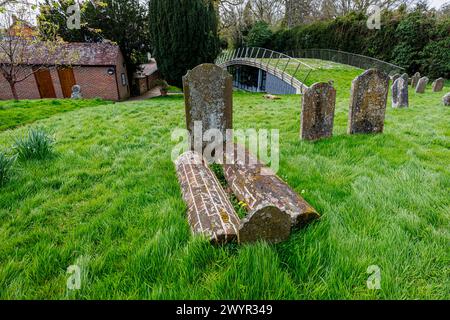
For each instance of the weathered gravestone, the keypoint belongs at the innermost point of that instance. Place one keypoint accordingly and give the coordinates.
(76, 92)
(210, 212)
(318, 106)
(368, 102)
(446, 99)
(395, 77)
(256, 185)
(208, 94)
(405, 76)
(438, 85)
(422, 85)
(415, 79)
(400, 96)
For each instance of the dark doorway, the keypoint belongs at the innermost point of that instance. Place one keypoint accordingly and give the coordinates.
(67, 80)
(45, 83)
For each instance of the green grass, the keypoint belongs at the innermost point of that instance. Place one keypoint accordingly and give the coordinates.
(173, 89)
(322, 71)
(16, 113)
(110, 202)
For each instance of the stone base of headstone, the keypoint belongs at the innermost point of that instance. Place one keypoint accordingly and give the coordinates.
(255, 185)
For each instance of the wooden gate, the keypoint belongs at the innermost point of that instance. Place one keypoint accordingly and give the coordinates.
(67, 80)
(45, 83)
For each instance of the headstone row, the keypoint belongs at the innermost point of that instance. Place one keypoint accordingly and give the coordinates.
(368, 102)
(420, 83)
(367, 106)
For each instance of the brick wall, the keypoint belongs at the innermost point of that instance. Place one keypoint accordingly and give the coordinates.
(26, 89)
(152, 78)
(95, 82)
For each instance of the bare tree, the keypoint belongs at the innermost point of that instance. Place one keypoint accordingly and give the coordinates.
(22, 54)
(270, 11)
(306, 11)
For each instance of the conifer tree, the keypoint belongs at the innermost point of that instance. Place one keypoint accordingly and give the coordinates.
(184, 35)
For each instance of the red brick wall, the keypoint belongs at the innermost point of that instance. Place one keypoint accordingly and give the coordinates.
(95, 82)
(26, 89)
(152, 78)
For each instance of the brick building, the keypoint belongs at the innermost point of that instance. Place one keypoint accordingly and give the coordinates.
(99, 68)
(144, 78)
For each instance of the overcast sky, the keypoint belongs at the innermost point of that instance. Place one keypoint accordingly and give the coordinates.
(437, 3)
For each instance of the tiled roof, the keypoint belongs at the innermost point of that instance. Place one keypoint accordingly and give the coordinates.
(75, 53)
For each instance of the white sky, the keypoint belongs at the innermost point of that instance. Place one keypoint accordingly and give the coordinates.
(437, 3)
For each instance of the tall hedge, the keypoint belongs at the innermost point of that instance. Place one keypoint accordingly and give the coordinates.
(184, 35)
(417, 41)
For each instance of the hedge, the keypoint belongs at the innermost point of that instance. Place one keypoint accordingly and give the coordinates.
(417, 41)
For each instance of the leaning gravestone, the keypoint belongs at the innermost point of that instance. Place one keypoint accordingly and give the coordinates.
(208, 91)
(422, 85)
(438, 85)
(400, 97)
(318, 107)
(76, 92)
(415, 79)
(368, 102)
(446, 99)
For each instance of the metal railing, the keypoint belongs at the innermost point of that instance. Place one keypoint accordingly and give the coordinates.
(352, 59)
(287, 68)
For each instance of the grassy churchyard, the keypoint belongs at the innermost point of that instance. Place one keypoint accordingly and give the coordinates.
(108, 200)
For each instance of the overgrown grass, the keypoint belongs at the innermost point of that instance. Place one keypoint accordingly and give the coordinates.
(16, 113)
(110, 203)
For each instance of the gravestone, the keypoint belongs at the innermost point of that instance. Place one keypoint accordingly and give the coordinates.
(406, 77)
(400, 97)
(368, 102)
(256, 186)
(422, 85)
(438, 85)
(446, 99)
(209, 210)
(415, 79)
(208, 94)
(76, 92)
(395, 77)
(318, 107)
